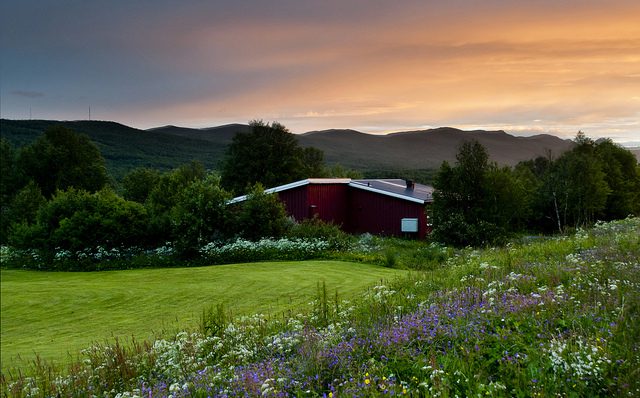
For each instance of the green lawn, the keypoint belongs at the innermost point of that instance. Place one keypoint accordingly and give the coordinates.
(57, 313)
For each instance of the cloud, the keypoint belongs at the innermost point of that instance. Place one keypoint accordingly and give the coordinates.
(543, 65)
(27, 94)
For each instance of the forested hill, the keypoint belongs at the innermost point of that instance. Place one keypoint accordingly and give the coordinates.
(166, 147)
(125, 148)
(426, 149)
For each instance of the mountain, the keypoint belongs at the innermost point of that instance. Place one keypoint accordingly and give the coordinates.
(426, 149)
(125, 148)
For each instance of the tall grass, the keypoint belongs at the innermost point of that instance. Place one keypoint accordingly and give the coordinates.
(556, 317)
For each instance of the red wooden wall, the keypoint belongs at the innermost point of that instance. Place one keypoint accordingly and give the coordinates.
(327, 201)
(355, 210)
(381, 214)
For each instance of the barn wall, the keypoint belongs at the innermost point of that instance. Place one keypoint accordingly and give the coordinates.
(295, 202)
(356, 210)
(381, 214)
(327, 201)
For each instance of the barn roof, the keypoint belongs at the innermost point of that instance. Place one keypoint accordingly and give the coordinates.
(401, 189)
(397, 188)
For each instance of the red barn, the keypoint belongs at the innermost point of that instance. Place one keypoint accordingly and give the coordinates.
(382, 207)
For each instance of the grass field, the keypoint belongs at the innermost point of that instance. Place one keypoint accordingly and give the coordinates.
(57, 314)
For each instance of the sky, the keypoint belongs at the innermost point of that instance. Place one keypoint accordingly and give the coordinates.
(525, 67)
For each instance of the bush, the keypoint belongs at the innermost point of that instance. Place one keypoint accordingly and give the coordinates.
(261, 216)
(243, 250)
(315, 228)
(200, 215)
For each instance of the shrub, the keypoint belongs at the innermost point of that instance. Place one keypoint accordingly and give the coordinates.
(76, 220)
(261, 215)
(315, 228)
(242, 250)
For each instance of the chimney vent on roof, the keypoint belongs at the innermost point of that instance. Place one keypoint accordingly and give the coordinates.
(410, 184)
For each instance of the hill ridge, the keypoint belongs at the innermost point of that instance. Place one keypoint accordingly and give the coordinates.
(168, 146)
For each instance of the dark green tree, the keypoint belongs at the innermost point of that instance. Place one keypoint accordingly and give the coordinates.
(620, 169)
(165, 196)
(507, 201)
(77, 219)
(261, 215)
(61, 159)
(10, 178)
(200, 215)
(312, 160)
(138, 184)
(25, 204)
(475, 202)
(269, 155)
(10, 184)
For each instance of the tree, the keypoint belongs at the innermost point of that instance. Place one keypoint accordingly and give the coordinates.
(621, 174)
(138, 184)
(574, 191)
(200, 216)
(10, 183)
(507, 201)
(269, 155)
(261, 215)
(165, 196)
(60, 159)
(476, 202)
(26, 203)
(77, 220)
(312, 160)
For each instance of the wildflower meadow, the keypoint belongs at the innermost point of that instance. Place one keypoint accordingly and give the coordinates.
(542, 317)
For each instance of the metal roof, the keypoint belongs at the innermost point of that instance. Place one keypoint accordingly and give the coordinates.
(419, 193)
(397, 188)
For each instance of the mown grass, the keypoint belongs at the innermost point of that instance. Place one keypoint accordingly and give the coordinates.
(55, 314)
(552, 317)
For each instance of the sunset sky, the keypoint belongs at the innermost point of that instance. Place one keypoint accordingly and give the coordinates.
(526, 67)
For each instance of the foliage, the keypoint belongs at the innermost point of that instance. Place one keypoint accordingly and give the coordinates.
(269, 155)
(200, 215)
(165, 196)
(556, 317)
(76, 220)
(61, 159)
(578, 186)
(21, 212)
(595, 180)
(315, 228)
(475, 202)
(125, 148)
(622, 175)
(242, 251)
(11, 178)
(138, 184)
(261, 215)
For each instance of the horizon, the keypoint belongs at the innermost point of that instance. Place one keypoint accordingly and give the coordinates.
(527, 69)
(625, 144)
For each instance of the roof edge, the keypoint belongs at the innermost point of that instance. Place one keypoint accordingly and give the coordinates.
(380, 191)
(295, 184)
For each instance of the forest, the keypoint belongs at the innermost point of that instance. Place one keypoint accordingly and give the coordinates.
(57, 196)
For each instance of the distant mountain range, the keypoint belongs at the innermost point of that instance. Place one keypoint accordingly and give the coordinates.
(166, 147)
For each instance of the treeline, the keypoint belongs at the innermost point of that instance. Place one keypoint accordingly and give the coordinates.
(478, 202)
(58, 197)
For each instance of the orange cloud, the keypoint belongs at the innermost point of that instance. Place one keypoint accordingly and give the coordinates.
(547, 66)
